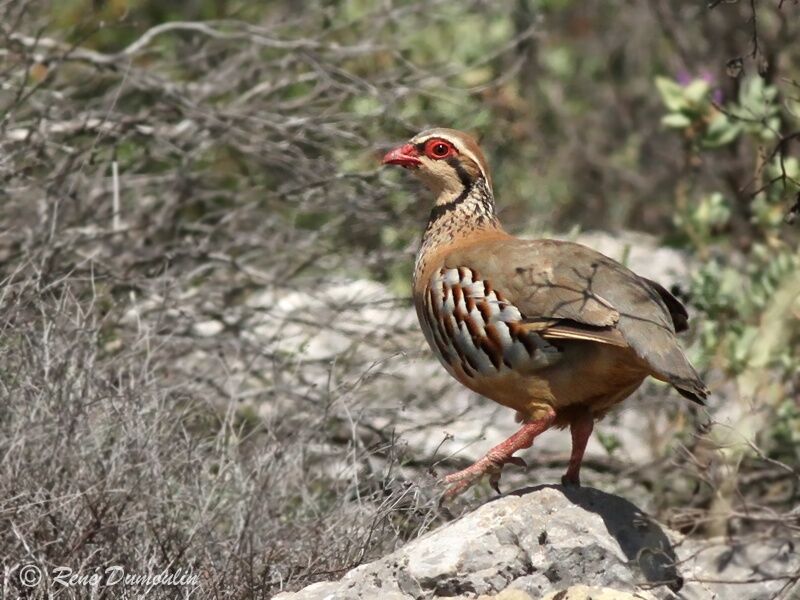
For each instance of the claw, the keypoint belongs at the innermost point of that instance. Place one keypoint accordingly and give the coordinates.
(494, 481)
(516, 460)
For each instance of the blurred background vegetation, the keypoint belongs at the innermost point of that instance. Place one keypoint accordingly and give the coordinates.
(179, 178)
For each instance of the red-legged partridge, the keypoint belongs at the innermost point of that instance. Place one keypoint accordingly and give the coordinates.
(554, 330)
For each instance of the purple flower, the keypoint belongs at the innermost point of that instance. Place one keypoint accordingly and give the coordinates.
(685, 77)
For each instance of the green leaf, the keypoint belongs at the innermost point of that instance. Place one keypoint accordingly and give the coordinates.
(721, 131)
(671, 94)
(697, 91)
(676, 121)
(756, 100)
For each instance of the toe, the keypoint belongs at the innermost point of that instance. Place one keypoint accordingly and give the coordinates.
(458, 477)
(454, 490)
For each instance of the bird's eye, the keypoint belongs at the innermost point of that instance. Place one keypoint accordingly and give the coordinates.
(438, 149)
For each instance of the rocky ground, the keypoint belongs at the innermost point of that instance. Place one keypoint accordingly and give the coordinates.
(565, 543)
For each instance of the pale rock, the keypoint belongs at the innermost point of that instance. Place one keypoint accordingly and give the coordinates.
(583, 592)
(550, 539)
(507, 595)
(207, 328)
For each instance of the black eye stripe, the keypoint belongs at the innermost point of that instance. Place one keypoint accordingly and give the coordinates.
(462, 173)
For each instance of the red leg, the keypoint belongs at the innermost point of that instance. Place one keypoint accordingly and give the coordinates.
(492, 463)
(581, 429)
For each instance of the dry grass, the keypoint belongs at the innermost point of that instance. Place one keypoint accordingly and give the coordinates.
(108, 460)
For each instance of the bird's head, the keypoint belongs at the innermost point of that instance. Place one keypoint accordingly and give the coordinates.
(447, 161)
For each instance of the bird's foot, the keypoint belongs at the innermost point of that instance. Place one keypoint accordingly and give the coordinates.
(568, 480)
(502, 454)
(492, 465)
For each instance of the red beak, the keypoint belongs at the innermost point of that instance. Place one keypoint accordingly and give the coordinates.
(406, 156)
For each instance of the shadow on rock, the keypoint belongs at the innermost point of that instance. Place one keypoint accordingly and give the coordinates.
(641, 539)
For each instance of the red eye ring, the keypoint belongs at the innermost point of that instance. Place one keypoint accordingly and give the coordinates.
(438, 149)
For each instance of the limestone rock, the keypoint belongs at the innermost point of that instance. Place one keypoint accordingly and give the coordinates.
(583, 592)
(553, 540)
(507, 595)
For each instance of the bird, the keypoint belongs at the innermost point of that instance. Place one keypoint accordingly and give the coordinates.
(552, 329)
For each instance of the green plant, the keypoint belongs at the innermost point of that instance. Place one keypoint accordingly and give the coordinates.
(748, 294)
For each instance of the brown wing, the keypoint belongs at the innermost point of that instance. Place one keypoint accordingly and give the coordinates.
(583, 294)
